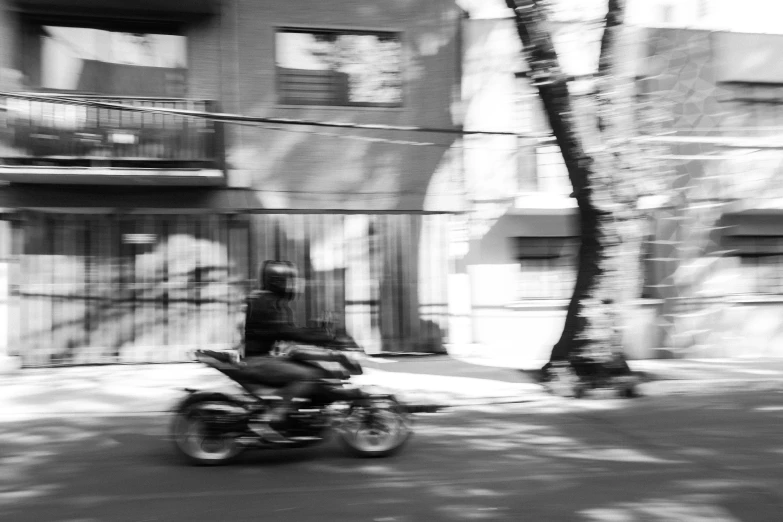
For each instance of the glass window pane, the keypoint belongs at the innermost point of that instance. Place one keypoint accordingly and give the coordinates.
(113, 63)
(332, 68)
(551, 277)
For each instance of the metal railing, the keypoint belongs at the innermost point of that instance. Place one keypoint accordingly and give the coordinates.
(43, 132)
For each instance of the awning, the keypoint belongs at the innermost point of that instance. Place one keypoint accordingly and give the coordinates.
(759, 222)
(752, 233)
(138, 200)
(544, 229)
(748, 57)
(541, 247)
(543, 223)
(63, 12)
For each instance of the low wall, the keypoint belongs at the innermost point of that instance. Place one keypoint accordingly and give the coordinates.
(530, 329)
(733, 329)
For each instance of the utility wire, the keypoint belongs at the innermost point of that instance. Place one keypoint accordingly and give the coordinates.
(263, 122)
(238, 118)
(358, 138)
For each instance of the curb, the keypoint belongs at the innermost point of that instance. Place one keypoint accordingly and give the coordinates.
(708, 386)
(138, 391)
(413, 408)
(9, 365)
(655, 388)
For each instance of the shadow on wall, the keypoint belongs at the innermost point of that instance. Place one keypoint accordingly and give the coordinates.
(105, 300)
(369, 277)
(329, 171)
(406, 299)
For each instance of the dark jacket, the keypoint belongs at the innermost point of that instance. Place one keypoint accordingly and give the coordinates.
(269, 319)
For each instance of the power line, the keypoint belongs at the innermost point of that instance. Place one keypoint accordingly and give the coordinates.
(263, 122)
(358, 138)
(238, 118)
(255, 124)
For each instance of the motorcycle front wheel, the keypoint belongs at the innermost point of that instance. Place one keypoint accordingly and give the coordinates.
(199, 444)
(377, 431)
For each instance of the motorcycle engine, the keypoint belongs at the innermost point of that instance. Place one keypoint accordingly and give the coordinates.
(307, 420)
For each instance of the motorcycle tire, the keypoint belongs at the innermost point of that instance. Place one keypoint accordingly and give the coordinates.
(380, 433)
(189, 433)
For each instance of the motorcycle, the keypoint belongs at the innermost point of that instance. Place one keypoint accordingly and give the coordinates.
(212, 427)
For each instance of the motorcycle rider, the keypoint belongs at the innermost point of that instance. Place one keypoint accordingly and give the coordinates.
(269, 320)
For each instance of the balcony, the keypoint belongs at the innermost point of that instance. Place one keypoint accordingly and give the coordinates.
(52, 142)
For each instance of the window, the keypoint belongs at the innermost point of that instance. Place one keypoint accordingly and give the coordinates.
(528, 108)
(761, 263)
(547, 266)
(552, 173)
(753, 172)
(540, 168)
(647, 252)
(763, 273)
(113, 63)
(339, 68)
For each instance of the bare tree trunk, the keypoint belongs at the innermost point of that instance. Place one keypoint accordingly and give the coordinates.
(621, 168)
(597, 223)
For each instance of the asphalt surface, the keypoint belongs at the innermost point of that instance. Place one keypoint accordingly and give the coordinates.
(444, 365)
(426, 382)
(715, 457)
(506, 369)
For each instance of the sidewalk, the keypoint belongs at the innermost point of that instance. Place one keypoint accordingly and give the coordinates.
(427, 382)
(665, 376)
(153, 389)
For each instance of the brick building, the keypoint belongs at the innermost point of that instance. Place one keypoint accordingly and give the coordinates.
(132, 235)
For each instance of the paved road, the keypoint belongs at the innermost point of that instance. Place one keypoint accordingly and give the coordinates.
(716, 458)
(434, 380)
(505, 369)
(447, 366)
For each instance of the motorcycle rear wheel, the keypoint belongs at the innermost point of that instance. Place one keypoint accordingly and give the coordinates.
(196, 444)
(380, 432)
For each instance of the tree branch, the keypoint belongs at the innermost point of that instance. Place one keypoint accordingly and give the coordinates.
(607, 63)
(552, 86)
(612, 24)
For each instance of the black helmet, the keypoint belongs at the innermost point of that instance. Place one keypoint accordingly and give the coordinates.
(279, 278)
